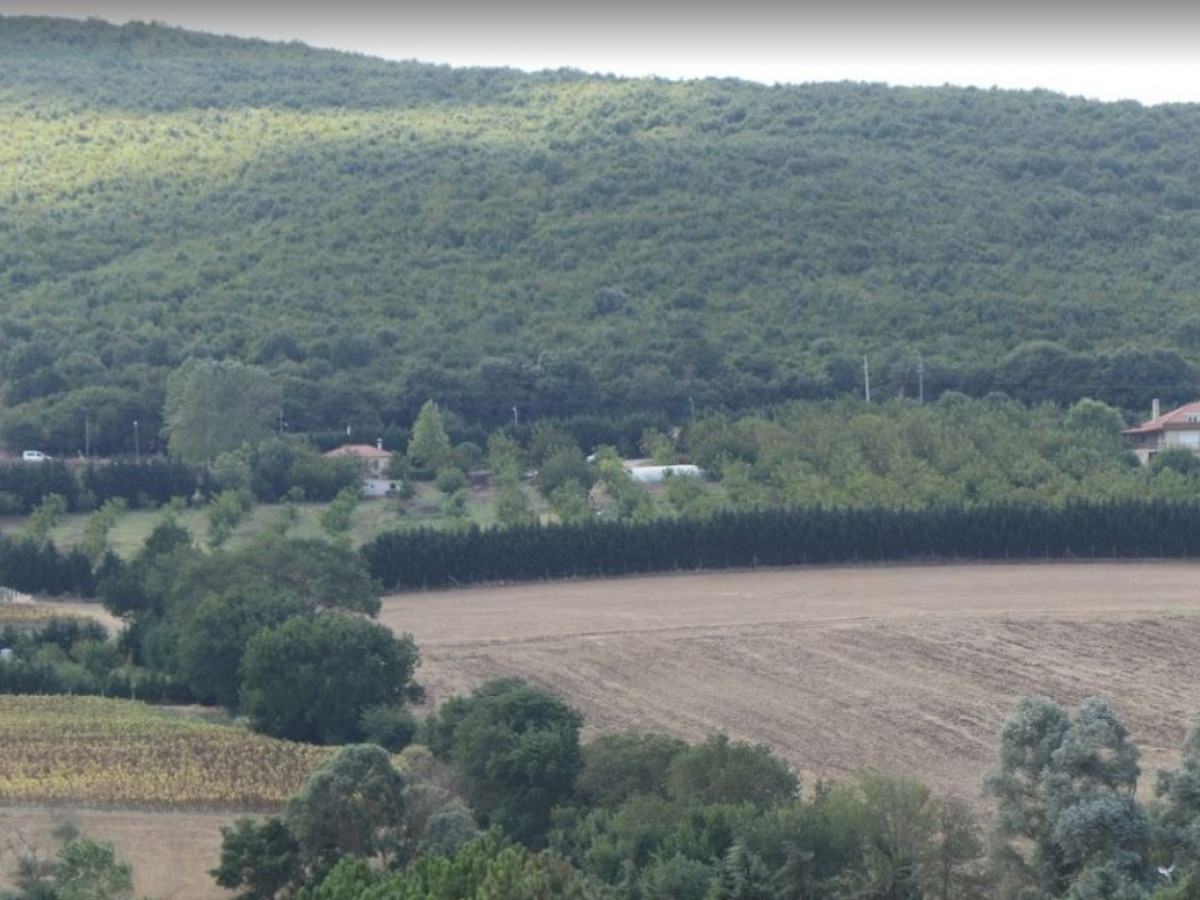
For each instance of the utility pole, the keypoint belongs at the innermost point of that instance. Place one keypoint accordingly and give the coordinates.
(137, 450)
(921, 380)
(516, 418)
(87, 437)
(866, 379)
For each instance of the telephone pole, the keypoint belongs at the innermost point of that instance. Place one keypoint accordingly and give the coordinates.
(921, 380)
(866, 379)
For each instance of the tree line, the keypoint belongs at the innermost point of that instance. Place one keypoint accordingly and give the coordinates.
(1119, 529)
(423, 558)
(501, 798)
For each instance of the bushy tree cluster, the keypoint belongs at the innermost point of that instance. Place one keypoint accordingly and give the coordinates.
(903, 454)
(1068, 823)
(81, 869)
(505, 802)
(69, 656)
(356, 808)
(517, 747)
(279, 628)
(625, 817)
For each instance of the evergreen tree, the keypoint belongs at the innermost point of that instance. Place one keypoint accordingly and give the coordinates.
(429, 449)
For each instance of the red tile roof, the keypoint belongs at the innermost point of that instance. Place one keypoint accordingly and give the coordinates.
(362, 451)
(1187, 416)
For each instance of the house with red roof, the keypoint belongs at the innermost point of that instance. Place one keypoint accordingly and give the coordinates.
(375, 461)
(1177, 428)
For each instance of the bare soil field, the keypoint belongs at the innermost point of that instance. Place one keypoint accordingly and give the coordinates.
(906, 669)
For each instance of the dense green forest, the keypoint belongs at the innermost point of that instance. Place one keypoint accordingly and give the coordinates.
(378, 234)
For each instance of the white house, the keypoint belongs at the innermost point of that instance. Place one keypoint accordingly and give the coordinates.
(375, 461)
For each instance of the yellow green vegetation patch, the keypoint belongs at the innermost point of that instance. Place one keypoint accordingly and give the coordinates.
(91, 751)
(26, 614)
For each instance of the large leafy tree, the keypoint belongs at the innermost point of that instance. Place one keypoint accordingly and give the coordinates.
(1068, 821)
(214, 406)
(351, 805)
(260, 860)
(724, 771)
(212, 644)
(518, 747)
(316, 574)
(621, 765)
(143, 587)
(313, 677)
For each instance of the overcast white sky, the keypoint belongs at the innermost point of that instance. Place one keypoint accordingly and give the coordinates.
(1147, 51)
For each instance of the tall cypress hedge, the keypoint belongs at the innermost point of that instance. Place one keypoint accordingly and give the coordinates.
(35, 567)
(1124, 529)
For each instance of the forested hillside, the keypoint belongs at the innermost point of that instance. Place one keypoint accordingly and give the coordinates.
(378, 234)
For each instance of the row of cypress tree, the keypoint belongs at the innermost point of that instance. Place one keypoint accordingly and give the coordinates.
(147, 482)
(427, 558)
(38, 567)
(1124, 529)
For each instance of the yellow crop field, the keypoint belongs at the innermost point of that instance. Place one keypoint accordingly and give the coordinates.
(95, 752)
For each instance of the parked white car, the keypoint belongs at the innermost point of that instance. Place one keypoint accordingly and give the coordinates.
(34, 456)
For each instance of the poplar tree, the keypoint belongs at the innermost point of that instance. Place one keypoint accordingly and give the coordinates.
(429, 447)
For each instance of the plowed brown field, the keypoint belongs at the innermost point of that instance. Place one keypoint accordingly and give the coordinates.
(907, 669)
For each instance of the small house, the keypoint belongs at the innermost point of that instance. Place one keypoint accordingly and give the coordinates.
(1177, 428)
(374, 458)
(375, 462)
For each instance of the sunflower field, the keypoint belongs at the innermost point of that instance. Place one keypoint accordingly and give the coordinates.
(97, 752)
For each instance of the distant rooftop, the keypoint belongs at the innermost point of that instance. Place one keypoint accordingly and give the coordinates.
(362, 451)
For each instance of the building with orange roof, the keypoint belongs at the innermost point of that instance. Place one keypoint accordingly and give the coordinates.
(375, 462)
(1177, 428)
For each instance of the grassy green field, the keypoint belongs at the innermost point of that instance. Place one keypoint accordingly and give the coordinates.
(371, 518)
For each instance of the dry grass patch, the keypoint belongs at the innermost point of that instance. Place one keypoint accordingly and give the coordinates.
(26, 614)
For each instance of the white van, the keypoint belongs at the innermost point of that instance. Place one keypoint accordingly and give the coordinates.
(34, 456)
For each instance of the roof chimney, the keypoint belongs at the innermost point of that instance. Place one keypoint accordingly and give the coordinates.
(379, 441)
(1153, 409)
